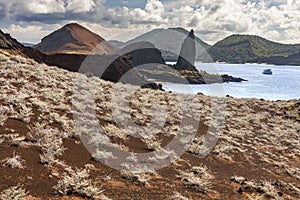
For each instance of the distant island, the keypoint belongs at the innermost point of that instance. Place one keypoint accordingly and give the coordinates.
(235, 49)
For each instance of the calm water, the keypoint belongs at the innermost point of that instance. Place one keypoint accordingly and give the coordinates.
(284, 84)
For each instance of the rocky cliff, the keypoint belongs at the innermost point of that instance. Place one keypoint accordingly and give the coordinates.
(186, 59)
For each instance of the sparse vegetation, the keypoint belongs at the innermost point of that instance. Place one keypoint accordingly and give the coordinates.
(51, 143)
(178, 196)
(13, 193)
(41, 114)
(138, 177)
(14, 162)
(263, 189)
(198, 178)
(77, 182)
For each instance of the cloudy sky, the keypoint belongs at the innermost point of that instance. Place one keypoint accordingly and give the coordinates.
(29, 21)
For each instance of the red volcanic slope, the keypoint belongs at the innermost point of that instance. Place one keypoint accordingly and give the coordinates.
(75, 39)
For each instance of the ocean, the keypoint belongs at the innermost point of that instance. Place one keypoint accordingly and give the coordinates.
(283, 84)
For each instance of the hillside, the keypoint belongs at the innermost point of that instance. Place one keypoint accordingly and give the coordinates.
(169, 41)
(48, 114)
(117, 43)
(248, 48)
(75, 39)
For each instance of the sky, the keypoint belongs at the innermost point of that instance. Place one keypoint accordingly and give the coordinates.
(212, 20)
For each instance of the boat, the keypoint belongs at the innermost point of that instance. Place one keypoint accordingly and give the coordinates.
(220, 62)
(268, 71)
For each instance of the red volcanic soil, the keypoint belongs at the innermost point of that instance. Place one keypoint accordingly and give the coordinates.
(256, 156)
(75, 39)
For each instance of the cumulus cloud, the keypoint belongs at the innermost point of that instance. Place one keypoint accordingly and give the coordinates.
(212, 19)
(43, 10)
(25, 34)
(153, 13)
(277, 20)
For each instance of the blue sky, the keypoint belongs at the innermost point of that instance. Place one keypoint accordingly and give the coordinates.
(212, 20)
(127, 3)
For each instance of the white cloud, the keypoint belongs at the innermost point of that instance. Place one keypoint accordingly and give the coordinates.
(212, 19)
(31, 34)
(154, 7)
(20, 7)
(277, 20)
(80, 5)
(42, 6)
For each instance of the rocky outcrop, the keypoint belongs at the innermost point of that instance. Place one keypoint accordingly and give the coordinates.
(142, 53)
(186, 59)
(124, 65)
(153, 86)
(75, 39)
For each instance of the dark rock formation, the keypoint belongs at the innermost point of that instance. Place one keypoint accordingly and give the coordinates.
(142, 53)
(153, 86)
(186, 59)
(195, 77)
(226, 79)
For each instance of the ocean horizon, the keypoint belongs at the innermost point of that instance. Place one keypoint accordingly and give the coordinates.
(283, 84)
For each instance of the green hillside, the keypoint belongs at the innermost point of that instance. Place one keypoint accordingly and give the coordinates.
(247, 48)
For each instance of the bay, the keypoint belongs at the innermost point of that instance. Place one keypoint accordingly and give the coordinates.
(283, 84)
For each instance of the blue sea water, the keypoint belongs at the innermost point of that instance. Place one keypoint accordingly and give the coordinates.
(283, 84)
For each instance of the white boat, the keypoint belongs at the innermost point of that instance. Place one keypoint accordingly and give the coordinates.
(220, 62)
(268, 71)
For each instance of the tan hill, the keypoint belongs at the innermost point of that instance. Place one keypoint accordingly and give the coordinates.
(75, 39)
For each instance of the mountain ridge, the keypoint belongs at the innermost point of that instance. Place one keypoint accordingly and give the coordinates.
(169, 42)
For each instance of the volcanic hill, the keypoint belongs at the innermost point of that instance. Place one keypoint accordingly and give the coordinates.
(75, 39)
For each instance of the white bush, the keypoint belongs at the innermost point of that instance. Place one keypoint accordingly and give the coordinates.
(3, 118)
(102, 155)
(51, 143)
(15, 162)
(13, 193)
(78, 183)
(152, 143)
(135, 176)
(198, 178)
(178, 196)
